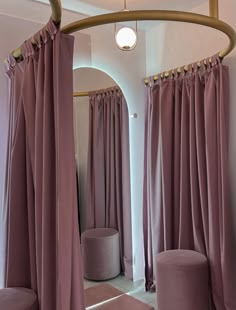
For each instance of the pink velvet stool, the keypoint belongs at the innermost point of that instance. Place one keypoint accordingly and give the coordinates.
(18, 298)
(182, 281)
(101, 253)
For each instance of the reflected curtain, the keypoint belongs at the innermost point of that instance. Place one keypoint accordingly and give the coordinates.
(43, 239)
(186, 184)
(108, 198)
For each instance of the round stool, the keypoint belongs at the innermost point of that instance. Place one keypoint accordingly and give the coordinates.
(182, 280)
(101, 253)
(18, 299)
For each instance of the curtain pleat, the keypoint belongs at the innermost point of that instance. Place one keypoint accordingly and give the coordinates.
(186, 148)
(43, 244)
(108, 197)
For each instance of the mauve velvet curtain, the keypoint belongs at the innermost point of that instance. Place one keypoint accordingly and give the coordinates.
(186, 185)
(108, 198)
(43, 239)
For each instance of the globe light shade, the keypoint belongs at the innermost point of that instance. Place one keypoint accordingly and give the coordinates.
(126, 39)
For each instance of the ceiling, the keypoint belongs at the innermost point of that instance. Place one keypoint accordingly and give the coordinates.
(96, 7)
(38, 10)
(92, 7)
(116, 5)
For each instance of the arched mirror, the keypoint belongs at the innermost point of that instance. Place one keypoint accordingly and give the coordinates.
(101, 130)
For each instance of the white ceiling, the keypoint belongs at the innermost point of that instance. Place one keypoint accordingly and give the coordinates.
(92, 7)
(37, 11)
(116, 5)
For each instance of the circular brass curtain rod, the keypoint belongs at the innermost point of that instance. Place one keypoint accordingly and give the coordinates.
(81, 94)
(211, 21)
(161, 15)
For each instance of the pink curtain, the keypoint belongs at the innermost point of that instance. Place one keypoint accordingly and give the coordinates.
(108, 195)
(43, 240)
(186, 185)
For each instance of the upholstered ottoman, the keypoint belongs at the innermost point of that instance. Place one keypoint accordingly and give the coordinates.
(182, 281)
(101, 253)
(18, 299)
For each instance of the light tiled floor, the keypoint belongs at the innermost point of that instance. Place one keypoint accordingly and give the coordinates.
(135, 289)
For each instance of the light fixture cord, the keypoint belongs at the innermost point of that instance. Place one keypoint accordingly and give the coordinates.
(125, 6)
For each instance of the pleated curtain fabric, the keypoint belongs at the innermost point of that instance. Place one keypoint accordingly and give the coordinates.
(43, 237)
(108, 197)
(186, 182)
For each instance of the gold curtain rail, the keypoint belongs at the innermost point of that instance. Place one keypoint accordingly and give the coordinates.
(211, 21)
(81, 94)
(86, 93)
(164, 75)
(56, 10)
(213, 8)
(177, 16)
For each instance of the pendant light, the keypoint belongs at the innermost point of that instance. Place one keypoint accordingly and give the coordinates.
(126, 37)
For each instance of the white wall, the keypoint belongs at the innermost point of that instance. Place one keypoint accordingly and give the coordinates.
(177, 44)
(85, 79)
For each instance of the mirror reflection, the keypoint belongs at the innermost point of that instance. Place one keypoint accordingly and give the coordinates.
(101, 130)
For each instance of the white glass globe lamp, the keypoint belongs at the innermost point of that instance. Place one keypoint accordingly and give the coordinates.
(126, 38)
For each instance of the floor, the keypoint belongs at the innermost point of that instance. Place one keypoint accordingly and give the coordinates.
(135, 289)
